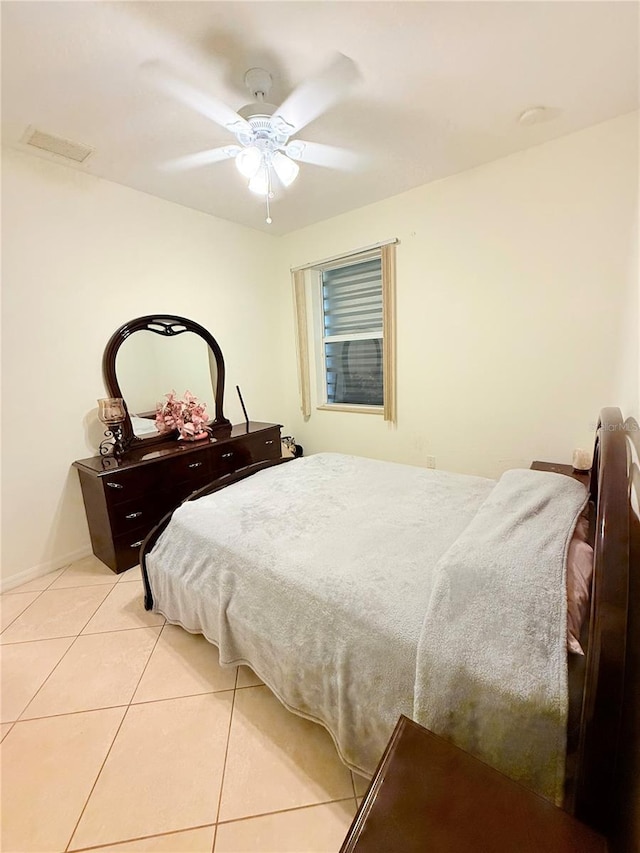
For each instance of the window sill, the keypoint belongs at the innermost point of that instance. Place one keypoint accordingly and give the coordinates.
(345, 407)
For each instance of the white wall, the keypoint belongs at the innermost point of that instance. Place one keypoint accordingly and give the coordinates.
(516, 301)
(627, 382)
(81, 256)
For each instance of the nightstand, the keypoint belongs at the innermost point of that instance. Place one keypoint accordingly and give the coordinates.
(559, 468)
(428, 796)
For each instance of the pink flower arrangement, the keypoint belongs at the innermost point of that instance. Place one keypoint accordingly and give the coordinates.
(188, 416)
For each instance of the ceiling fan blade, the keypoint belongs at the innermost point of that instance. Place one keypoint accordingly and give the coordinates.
(317, 94)
(162, 78)
(329, 156)
(201, 158)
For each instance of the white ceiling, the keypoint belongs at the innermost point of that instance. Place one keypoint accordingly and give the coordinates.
(442, 85)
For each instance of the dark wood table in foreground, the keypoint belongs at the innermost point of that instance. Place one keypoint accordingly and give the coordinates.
(429, 796)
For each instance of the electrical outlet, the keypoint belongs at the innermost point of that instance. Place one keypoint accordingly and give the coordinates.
(431, 461)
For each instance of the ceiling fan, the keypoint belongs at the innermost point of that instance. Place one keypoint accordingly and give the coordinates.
(265, 152)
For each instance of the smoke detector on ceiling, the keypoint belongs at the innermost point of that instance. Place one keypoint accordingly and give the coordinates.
(75, 151)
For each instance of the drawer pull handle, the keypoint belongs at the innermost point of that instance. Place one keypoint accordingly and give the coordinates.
(136, 544)
(269, 442)
(194, 465)
(227, 455)
(134, 515)
(115, 485)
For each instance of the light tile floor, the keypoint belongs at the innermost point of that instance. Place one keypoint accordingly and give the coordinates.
(122, 733)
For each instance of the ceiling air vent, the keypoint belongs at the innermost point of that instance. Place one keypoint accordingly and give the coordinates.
(57, 145)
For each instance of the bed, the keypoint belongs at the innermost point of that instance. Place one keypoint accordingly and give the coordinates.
(360, 590)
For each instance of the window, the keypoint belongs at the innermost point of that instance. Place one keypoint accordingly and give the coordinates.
(352, 334)
(349, 334)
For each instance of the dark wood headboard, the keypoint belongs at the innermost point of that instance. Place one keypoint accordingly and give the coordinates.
(601, 751)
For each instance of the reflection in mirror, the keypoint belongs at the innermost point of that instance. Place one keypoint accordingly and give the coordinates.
(149, 366)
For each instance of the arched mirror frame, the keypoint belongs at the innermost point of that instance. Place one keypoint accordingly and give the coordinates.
(167, 325)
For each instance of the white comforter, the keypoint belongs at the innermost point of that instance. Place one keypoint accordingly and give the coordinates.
(318, 574)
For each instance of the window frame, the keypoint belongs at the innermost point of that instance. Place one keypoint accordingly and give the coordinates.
(309, 331)
(319, 339)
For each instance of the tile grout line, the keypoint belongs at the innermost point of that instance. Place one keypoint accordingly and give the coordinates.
(143, 838)
(11, 725)
(118, 705)
(88, 634)
(206, 825)
(52, 588)
(224, 762)
(353, 785)
(116, 630)
(284, 811)
(115, 737)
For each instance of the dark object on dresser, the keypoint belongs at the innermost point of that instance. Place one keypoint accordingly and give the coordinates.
(124, 498)
(428, 795)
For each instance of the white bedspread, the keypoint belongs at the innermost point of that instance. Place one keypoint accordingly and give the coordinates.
(329, 574)
(491, 672)
(318, 573)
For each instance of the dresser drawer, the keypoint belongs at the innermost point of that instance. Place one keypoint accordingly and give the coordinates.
(245, 450)
(121, 486)
(229, 457)
(264, 446)
(127, 547)
(188, 467)
(143, 511)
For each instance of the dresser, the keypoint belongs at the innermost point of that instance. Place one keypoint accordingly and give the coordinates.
(125, 497)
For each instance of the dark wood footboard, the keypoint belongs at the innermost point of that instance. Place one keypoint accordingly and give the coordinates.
(209, 489)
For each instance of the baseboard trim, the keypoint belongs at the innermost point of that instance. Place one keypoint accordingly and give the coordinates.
(42, 569)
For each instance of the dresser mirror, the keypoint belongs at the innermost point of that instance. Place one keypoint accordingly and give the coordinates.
(149, 357)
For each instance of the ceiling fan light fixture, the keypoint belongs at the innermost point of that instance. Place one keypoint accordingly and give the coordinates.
(260, 183)
(285, 169)
(248, 161)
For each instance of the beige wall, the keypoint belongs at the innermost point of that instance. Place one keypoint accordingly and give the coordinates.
(516, 302)
(81, 256)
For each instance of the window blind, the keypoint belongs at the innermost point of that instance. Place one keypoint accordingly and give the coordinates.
(353, 323)
(352, 299)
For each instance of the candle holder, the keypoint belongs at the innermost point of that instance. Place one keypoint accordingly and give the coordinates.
(112, 413)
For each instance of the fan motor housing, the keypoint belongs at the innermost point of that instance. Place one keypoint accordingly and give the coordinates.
(257, 110)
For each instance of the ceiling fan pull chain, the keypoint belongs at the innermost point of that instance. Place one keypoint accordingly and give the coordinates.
(269, 195)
